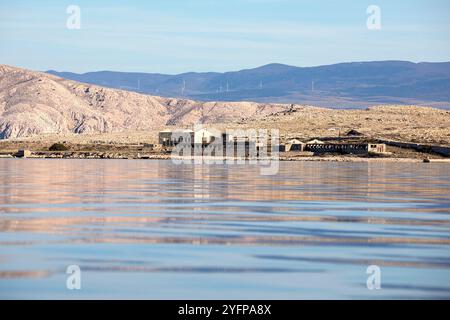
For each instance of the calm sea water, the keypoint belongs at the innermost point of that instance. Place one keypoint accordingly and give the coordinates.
(154, 229)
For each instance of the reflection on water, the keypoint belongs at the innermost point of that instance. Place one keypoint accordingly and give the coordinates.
(153, 229)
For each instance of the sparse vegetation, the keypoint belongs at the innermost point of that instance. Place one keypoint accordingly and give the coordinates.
(58, 147)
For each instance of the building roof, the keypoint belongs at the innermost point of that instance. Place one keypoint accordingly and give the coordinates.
(353, 132)
(294, 141)
(315, 141)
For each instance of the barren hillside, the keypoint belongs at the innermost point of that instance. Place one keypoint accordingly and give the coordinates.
(33, 103)
(393, 122)
(38, 104)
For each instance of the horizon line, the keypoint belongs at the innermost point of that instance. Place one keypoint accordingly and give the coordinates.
(244, 69)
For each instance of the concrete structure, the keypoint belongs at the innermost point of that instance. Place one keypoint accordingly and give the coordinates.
(165, 138)
(202, 137)
(294, 145)
(315, 141)
(168, 138)
(376, 148)
(23, 153)
(185, 136)
(208, 140)
(281, 148)
(207, 136)
(346, 148)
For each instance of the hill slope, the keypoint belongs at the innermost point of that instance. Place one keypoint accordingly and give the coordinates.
(357, 84)
(33, 103)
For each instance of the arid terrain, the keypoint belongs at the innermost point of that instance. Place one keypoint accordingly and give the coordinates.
(34, 103)
(38, 109)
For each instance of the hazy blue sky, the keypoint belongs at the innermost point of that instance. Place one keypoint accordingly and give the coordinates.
(173, 36)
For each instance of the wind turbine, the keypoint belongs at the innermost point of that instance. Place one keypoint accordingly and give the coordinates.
(183, 87)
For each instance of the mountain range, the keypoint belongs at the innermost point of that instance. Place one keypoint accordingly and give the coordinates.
(347, 85)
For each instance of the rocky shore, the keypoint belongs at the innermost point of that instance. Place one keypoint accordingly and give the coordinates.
(285, 156)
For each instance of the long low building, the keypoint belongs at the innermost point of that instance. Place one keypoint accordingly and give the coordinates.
(317, 146)
(349, 148)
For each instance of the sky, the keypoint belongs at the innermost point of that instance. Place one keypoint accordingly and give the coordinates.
(175, 36)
